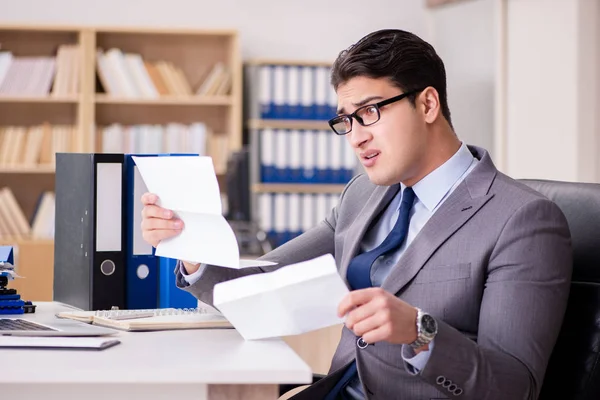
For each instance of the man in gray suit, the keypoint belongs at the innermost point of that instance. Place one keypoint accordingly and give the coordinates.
(459, 274)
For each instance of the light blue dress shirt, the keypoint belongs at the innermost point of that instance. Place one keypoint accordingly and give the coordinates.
(431, 192)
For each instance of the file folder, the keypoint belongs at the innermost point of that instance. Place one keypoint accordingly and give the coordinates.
(89, 243)
(141, 264)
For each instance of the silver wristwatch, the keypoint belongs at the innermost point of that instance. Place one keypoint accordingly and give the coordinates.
(426, 329)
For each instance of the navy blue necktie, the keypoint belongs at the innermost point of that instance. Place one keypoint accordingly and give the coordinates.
(359, 273)
(359, 269)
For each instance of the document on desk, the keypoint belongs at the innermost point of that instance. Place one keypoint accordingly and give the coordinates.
(294, 299)
(188, 186)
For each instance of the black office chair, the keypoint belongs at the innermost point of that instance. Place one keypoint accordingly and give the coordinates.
(574, 369)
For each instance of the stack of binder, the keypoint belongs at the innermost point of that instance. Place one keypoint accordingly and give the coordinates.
(289, 104)
(101, 260)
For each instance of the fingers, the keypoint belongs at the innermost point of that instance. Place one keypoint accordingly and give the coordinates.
(158, 223)
(149, 198)
(359, 314)
(379, 334)
(369, 324)
(149, 224)
(357, 298)
(152, 211)
(154, 237)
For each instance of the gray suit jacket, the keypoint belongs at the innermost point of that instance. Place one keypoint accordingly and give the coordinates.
(493, 265)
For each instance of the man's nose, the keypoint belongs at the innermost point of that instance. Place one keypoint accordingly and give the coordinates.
(358, 135)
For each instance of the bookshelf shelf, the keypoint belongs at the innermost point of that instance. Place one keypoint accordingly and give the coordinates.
(296, 188)
(23, 169)
(287, 124)
(168, 100)
(71, 107)
(39, 99)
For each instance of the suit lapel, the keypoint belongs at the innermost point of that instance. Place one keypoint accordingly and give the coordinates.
(466, 200)
(378, 200)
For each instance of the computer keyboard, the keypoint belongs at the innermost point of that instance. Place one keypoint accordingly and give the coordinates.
(15, 324)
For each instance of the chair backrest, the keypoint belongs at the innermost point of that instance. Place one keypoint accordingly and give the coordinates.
(574, 369)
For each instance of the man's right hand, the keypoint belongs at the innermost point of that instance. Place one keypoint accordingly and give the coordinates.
(158, 223)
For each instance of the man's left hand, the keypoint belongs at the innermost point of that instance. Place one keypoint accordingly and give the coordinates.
(377, 315)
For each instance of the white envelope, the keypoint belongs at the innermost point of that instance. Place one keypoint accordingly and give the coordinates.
(188, 186)
(294, 299)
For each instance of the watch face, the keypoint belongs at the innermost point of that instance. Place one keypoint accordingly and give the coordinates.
(428, 324)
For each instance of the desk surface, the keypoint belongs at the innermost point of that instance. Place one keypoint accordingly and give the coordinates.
(215, 356)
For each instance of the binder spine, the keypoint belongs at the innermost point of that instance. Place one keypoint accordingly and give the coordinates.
(141, 264)
(108, 280)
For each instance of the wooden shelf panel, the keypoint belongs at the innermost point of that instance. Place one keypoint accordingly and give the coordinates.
(39, 99)
(303, 63)
(26, 169)
(168, 100)
(296, 188)
(12, 241)
(288, 124)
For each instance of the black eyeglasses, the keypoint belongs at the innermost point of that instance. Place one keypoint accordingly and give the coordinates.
(365, 115)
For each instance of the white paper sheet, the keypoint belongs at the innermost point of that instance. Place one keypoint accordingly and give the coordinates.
(294, 299)
(57, 342)
(188, 186)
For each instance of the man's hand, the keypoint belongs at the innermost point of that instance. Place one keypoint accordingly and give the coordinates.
(158, 223)
(377, 315)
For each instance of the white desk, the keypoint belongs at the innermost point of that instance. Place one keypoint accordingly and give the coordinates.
(187, 364)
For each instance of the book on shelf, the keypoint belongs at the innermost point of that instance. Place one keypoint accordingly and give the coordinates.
(292, 92)
(128, 75)
(14, 224)
(35, 145)
(283, 216)
(152, 319)
(36, 76)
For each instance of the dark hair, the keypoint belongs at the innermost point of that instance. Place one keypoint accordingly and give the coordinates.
(407, 60)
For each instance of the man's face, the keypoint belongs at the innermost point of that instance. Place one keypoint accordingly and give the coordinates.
(391, 150)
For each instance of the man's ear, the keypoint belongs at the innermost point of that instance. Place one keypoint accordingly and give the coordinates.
(429, 102)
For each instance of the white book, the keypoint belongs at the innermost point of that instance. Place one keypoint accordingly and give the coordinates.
(322, 206)
(265, 205)
(6, 59)
(307, 95)
(267, 147)
(139, 76)
(281, 214)
(265, 87)
(295, 148)
(281, 151)
(279, 97)
(294, 299)
(294, 224)
(309, 150)
(321, 86)
(293, 86)
(323, 151)
(308, 211)
(196, 135)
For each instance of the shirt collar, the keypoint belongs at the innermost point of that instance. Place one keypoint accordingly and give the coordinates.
(431, 189)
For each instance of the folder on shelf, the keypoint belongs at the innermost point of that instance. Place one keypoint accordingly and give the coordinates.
(89, 245)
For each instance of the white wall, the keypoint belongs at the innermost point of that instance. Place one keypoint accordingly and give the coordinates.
(552, 90)
(463, 34)
(306, 29)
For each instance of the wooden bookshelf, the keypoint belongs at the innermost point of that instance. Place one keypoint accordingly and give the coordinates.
(287, 124)
(194, 51)
(296, 188)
